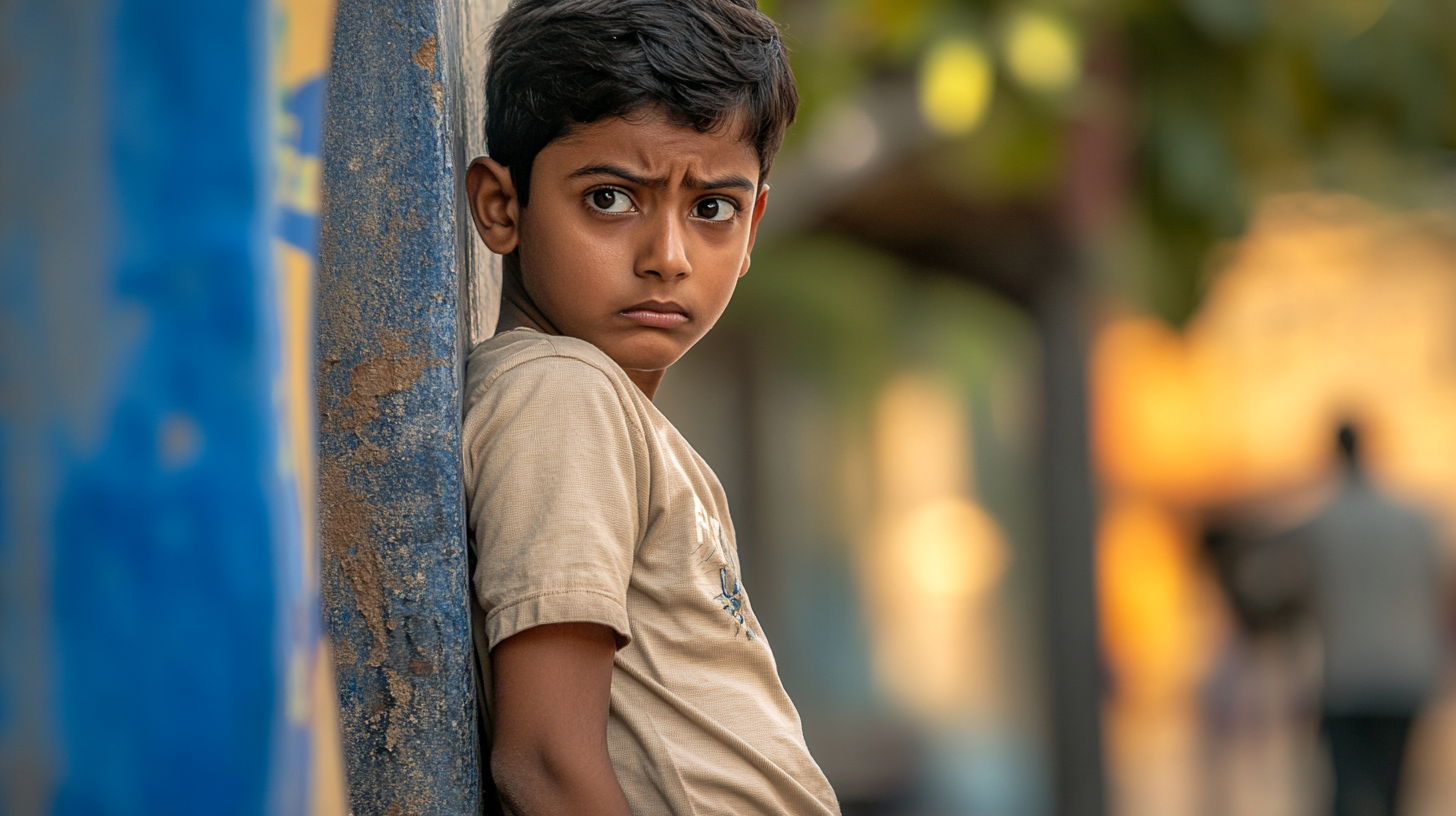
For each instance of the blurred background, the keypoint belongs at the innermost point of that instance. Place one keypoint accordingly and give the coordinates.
(1234, 218)
(1027, 409)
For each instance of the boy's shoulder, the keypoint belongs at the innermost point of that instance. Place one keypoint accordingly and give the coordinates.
(517, 349)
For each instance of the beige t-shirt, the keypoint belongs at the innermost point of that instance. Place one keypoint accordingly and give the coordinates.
(586, 505)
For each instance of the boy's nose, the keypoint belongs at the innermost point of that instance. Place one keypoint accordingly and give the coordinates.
(664, 254)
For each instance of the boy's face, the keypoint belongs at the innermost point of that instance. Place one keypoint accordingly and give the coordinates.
(635, 236)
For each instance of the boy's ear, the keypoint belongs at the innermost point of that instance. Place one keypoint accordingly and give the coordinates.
(759, 205)
(493, 204)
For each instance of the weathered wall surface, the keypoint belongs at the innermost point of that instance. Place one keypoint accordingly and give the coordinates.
(390, 336)
(467, 55)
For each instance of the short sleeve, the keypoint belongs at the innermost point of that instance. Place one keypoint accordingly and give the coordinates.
(552, 454)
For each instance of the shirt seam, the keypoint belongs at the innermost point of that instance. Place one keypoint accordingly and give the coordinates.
(627, 409)
(494, 613)
(490, 382)
(555, 352)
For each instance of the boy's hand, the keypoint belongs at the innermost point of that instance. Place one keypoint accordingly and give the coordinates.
(553, 687)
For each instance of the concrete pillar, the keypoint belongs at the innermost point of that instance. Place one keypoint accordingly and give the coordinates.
(395, 315)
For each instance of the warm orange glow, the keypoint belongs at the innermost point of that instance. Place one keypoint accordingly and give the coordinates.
(935, 557)
(1161, 417)
(949, 547)
(1328, 308)
(1155, 612)
(921, 450)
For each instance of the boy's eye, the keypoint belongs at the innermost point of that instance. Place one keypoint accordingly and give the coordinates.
(715, 209)
(611, 201)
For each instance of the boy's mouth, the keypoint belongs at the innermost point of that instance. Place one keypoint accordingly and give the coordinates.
(657, 314)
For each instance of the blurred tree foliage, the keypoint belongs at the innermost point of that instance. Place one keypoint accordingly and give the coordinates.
(1220, 102)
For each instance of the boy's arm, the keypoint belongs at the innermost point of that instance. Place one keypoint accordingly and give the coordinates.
(552, 687)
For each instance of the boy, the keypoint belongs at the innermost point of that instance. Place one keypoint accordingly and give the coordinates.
(626, 671)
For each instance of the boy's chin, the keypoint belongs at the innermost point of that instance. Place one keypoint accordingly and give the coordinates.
(650, 353)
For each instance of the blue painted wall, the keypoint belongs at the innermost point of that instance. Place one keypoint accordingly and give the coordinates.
(396, 581)
(158, 627)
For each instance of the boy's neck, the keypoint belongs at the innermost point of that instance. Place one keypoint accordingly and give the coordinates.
(517, 311)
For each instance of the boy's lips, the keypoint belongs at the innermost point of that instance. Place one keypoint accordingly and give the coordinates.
(657, 314)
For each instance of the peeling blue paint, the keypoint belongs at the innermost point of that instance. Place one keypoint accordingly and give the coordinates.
(395, 572)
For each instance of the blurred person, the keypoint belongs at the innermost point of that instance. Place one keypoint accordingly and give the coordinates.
(624, 668)
(1261, 693)
(1265, 581)
(1376, 579)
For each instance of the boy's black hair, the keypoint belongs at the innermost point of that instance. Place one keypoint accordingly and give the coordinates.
(706, 63)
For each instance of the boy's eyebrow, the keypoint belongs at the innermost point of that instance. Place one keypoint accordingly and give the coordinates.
(731, 182)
